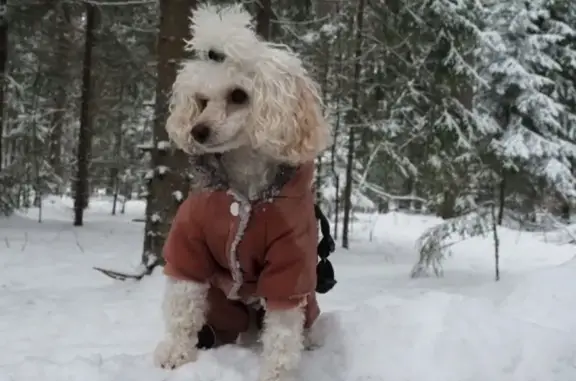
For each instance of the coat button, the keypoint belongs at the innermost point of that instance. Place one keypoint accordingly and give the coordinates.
(234, 209)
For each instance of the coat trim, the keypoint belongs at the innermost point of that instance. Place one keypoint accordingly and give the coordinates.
(244, 213)
(208, 175)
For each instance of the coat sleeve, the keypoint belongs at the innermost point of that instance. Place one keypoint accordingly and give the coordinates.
(185, 251)
(289, 274)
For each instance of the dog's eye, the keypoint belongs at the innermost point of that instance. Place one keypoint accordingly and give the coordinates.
(202, 103)
(238, 97)
(216, 56)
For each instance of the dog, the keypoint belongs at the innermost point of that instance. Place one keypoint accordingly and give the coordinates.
(241, 251)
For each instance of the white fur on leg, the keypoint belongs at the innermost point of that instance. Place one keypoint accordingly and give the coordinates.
(282, 344)
(184, 307)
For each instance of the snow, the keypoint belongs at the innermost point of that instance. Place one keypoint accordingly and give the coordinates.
(155, 218)
(178, 196)
(359, 200)
(162, 169)
(163, 145)
(61, 320)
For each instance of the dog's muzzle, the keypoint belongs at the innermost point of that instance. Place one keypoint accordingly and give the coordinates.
(200, 132)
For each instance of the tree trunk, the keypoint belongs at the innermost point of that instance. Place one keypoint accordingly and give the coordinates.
(3, 61)
(127, 196)
(263, 18)
(169, 167)
(333, 154)
(36, 152)
(325, 57)
(85, 135)
(115, 170)
(447, 209)
(353, 118)
(501, 199)
(55, 139)
(407, 189)
(64, 52)
(565, 211)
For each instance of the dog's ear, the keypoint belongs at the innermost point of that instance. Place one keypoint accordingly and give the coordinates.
(311, 132)
(288, 124)
(183, 110)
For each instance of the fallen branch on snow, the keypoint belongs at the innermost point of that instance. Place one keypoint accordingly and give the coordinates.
(143, 271)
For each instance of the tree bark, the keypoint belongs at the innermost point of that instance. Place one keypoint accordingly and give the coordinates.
(169, 167)
(3, 61)
(447, 209)
(324, 60)
(63, 52)
(353, 118)
(263, 18)
(85, 135)
(501, 198)
(333, 154)
(117, 152)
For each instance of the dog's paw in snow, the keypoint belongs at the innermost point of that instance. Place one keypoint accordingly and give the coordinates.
(170, 354)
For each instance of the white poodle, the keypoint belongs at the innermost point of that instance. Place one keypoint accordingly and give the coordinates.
(242, 249)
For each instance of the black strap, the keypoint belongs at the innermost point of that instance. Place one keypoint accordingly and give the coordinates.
(326, 245)
(324, 270)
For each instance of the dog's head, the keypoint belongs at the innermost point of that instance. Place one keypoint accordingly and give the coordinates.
(241, 91)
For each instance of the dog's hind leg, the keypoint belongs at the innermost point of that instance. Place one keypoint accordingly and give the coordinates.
(184, 306)
(282, 344)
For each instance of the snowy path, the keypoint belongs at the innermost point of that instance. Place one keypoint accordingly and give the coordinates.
(60, 320)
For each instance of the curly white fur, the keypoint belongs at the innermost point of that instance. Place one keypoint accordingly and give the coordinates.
(282, 344)
(283, 119)
(184, 308)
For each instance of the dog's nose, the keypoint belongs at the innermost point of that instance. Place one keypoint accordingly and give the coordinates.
(200, 132)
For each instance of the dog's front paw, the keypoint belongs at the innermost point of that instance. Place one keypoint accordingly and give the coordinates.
(171, 354)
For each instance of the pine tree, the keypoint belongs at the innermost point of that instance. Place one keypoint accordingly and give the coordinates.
(535, 141)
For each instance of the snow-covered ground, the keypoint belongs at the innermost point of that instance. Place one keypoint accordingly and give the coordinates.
(62, 321)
